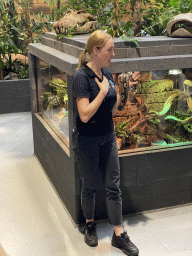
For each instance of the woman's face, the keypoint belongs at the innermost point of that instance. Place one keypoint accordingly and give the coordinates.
(104, 54)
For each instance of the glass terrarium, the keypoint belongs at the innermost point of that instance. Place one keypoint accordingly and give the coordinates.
(158, 113)
(53, 99)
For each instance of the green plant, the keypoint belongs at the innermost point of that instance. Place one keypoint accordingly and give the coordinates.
(156, 19)
(17, 30)
(57, 97)
(11, 65)
(10, 43)
(99, 8)
(3, 5)
(31, 29)
(23, 71)
(155, 28)
(121, 129)
(38, 24)
(52, 4)
(108, 15)
(8, 34)
(181, 6)
(58, 13)
(25, 29)
(175, 126)
(129, 36)
(17, 67)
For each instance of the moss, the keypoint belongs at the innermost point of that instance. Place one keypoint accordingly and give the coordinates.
(157, 107)
(161, 86)
(155, 86)
(156, 97)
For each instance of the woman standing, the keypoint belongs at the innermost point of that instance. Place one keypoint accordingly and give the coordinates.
(95, 144)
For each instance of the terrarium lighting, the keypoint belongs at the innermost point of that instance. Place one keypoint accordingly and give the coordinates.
(175, 72)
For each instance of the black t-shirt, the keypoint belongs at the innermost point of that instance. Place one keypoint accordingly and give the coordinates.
(101, 122)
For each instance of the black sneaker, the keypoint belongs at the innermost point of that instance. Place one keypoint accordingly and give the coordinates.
(124, 243)
(90, 234)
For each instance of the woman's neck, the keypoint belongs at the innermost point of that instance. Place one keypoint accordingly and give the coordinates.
(95, 68)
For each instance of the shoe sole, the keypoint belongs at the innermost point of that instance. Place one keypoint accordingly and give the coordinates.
(92, 245)
(127, 253)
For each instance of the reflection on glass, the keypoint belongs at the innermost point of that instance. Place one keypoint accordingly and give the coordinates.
(159, 113)
(53, 99)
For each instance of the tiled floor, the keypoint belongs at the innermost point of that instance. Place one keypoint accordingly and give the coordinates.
(33, 221)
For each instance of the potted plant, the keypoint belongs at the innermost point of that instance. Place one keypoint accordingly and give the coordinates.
(16, 32)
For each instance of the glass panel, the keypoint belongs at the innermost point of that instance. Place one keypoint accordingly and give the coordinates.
(53, 99)
(159, 113)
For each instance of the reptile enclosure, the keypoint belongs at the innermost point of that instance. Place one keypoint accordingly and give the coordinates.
(155, 159)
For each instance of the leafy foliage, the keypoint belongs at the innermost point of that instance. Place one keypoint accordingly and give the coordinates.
(57, 96)
(122, 130)
(8, 35)
(181, 6)
(157, 16)
(16, 32)
(17, 67)
(23, 71)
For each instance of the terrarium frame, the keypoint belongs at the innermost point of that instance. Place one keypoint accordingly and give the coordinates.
(151, 177)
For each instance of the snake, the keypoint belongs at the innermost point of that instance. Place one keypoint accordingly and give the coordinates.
(124, 89)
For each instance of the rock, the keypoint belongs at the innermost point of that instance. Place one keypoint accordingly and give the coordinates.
(184, 22)
(11, 76)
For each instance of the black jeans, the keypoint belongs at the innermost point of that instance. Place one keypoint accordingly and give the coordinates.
(94, 154)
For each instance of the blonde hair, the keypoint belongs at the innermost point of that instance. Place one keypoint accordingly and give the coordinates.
(97, 39)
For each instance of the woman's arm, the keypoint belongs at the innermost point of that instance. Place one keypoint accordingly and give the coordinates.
(85, 108)
(115, 107)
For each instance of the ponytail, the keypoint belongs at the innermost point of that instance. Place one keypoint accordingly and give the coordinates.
(82, 59)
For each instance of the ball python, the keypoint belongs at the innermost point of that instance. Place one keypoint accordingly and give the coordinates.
(125, 91)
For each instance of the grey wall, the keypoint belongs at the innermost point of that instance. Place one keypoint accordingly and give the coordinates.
(15, 96)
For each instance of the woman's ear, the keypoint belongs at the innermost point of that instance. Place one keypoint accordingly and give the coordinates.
(95, 50)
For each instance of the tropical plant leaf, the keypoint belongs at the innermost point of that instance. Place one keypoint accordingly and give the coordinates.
(185, 121)
(168, 103)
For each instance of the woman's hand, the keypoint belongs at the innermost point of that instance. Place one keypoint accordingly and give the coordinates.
(86, 108)
(131, 77)
(133, 81)
(104, 85)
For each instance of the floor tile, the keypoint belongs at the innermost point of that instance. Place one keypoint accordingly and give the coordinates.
(182, 253)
